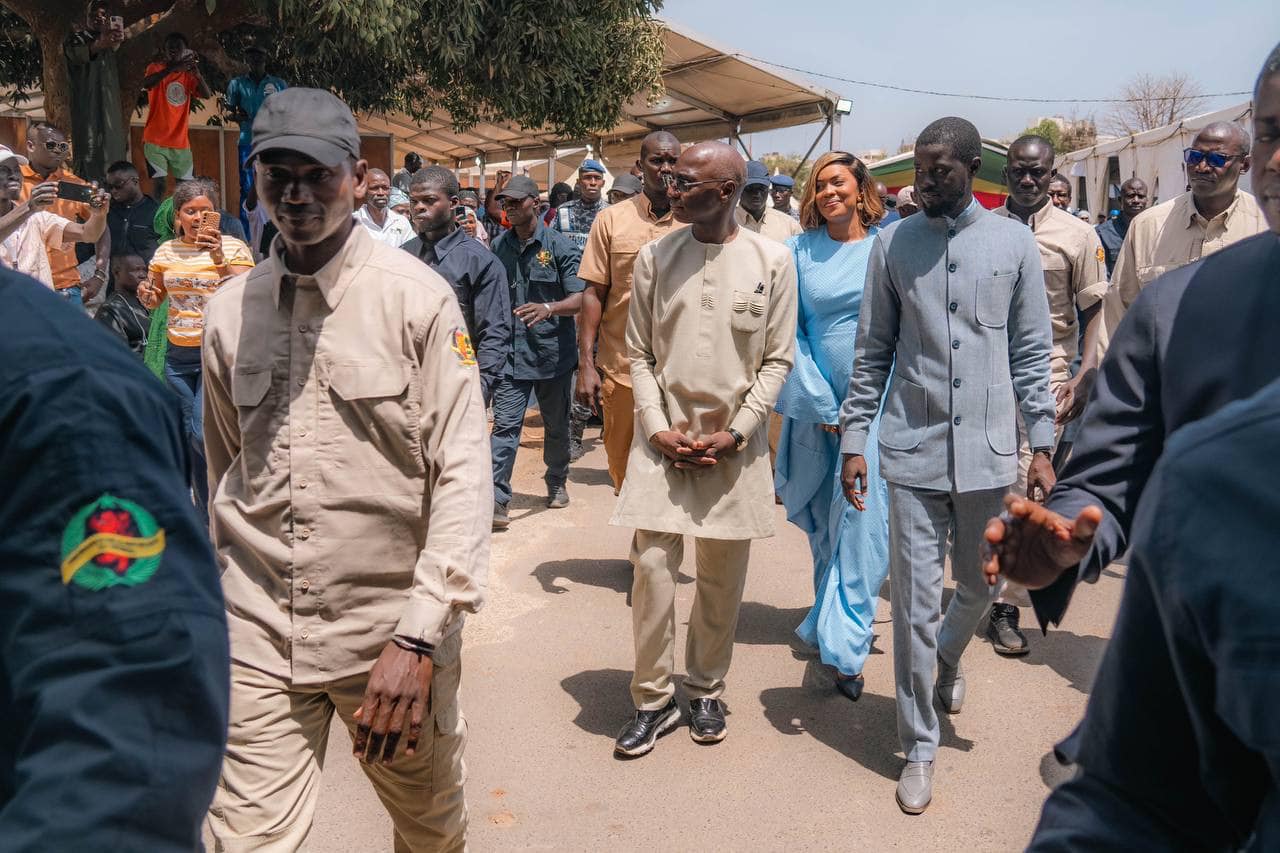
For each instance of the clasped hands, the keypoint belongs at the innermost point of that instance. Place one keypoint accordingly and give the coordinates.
(693, 454)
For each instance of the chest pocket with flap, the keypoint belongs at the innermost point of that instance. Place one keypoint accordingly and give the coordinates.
(376, 412)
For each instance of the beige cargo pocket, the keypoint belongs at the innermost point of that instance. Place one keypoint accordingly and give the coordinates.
(249, 387)
(748, 311)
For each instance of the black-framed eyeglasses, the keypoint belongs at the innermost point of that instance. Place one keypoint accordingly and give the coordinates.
(119, 185)
(1215, 159)
(681, 185)
(58, 147)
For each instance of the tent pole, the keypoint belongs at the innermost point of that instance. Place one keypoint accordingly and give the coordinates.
(551, 171)
(816, 140)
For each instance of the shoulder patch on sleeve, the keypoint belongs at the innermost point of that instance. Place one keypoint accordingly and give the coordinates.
(1101, 255)
(111, 542)
(461, 346)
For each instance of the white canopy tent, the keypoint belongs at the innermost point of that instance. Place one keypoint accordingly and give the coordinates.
(1155, 156)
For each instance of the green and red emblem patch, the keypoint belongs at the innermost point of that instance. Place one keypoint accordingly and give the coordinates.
(111, 542)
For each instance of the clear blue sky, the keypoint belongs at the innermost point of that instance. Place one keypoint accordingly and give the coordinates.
(1083, 49)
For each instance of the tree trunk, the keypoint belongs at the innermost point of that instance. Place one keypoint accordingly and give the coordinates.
(51, 32)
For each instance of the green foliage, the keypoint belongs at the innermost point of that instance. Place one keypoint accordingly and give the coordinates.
(19, 57)
(568, 66)
(1048, 128)
(786, 164)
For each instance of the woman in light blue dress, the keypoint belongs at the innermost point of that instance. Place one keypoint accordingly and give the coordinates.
(850, 548)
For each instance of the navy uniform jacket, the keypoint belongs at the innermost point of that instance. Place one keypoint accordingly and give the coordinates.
(1194, 340)
(1180, 746)
(480, 283)
(1111, 234)
(546, 270)
(114, 664)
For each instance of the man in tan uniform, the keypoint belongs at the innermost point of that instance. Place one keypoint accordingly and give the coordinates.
(711, 334)
(754, 212)
(344, 425)
(1075, 280)
(616, 236)
(1214, 214)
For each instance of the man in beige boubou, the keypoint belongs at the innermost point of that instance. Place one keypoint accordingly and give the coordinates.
(711, 334)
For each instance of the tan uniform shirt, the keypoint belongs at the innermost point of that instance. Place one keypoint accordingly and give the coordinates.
(1075, 277)
(344, 427)
(775, 224)
(1172, 235)
(608, 259)
(712, 335)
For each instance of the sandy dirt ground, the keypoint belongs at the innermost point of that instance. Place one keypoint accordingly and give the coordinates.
(546, 669)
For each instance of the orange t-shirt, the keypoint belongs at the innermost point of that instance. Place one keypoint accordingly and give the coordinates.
(62, 260)
(169, 108)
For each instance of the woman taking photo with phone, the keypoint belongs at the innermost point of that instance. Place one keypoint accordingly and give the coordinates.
(188, 270)
(850, 549)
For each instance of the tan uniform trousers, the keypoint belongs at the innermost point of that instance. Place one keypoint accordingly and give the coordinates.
(1010, 592)
(266, 798)
(721, 575)
(619, 405)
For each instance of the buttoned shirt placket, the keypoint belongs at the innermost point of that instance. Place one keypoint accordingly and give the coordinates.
(707, 326)
(953, 305)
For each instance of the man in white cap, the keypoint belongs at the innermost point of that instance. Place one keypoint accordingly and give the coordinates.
(343, 413)
(28, 230)
(907, 204)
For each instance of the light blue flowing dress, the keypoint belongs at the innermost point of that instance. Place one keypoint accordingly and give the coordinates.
(850, 548)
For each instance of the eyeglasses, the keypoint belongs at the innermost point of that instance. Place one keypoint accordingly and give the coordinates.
(58, 147)
(1215, 159)
(681, 185)
(119, 185)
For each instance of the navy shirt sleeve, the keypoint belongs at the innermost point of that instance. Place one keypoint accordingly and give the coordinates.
(491, 300)
(113, 637)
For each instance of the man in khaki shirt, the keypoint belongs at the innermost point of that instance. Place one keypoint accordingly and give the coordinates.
(1075, 280)
(754, 213)
(712, 332)
(617, 234)
(1212, 216)
(350, 511)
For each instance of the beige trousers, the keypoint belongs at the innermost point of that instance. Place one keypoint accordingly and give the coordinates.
(619, 406)
(721, 575)
(266, 798)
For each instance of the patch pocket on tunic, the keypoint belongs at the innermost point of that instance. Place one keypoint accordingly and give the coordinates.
(991, 298)
(748, 311)
(378, 413)
(1002, 412)
(906, 415)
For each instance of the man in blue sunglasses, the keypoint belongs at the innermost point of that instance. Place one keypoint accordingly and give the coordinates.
(1214, 214)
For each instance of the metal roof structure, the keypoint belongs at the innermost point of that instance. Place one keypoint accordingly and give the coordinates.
(711, 92)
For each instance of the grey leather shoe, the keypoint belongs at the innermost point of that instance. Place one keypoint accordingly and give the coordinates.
(950, 687)
(915, 787)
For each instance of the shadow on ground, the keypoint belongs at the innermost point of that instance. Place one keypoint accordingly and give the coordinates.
(612, 575)
(862, 731)
(604, 700)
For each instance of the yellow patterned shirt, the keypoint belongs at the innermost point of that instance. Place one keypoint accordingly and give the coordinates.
(189, 276)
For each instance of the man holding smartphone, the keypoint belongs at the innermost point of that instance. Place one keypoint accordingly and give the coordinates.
(99, 136)
(28, 231)
(169, 84)
(47, 151)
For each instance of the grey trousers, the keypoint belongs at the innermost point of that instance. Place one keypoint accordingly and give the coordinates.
(921, 522)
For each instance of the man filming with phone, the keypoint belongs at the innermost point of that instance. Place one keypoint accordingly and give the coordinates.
(29, 233)
(45, 162)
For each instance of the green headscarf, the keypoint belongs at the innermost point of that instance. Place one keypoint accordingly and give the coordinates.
(158, 335)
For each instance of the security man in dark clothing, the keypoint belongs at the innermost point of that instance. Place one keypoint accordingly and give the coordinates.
(1133, 200)
(113, 641)
(477, 277)
(542, 266)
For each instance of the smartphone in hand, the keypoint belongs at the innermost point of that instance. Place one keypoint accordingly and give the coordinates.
(71, 191)
(210, 220)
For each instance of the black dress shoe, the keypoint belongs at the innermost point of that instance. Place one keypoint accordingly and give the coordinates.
(706, 720)
(850, 687)
(638, 736)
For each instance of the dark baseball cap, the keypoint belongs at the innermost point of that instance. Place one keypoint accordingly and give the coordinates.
(757, 174)
(313, 122)
(519, 187)
(628, 184)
